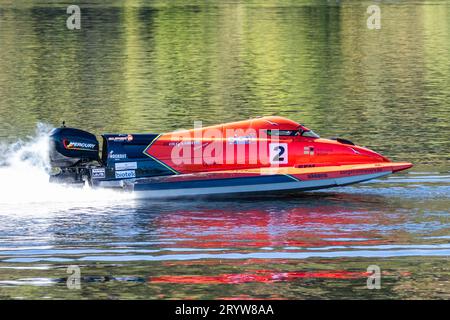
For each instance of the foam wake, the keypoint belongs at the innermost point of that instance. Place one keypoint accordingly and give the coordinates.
(24, 178)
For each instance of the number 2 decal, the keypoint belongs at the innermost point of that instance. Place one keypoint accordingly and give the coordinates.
(278, 153)
(279, 157)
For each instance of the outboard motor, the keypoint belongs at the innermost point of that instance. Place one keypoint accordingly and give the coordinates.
(72, 153)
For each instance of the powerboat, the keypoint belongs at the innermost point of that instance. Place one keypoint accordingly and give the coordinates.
(262, 155)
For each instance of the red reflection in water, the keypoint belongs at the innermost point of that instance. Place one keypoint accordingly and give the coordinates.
(251, 261)
(263, 276)
(299, 225)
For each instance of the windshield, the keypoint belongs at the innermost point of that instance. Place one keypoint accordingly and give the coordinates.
(310, 134)
(302, 132)
(282, 132)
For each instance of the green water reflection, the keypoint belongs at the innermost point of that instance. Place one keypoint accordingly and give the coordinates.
(153, 66)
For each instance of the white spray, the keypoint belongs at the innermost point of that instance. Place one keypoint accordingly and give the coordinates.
(24, 180)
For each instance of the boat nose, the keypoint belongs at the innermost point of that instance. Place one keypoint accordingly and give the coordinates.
(374, 157)
(370, 154)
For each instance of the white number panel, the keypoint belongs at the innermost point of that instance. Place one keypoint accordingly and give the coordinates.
(278, 153)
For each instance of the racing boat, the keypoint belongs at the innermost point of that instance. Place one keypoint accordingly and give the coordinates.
(267, 154)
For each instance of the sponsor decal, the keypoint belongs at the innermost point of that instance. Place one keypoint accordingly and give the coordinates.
(317, 175)
(113, 155)
(323, 151)
(126, 165)
(98, 173)
(308, 151)
(305, 165)
(360, 171)
(74, 145)
(125, 174)
(242, 139)
(128, 137)
(184, 143)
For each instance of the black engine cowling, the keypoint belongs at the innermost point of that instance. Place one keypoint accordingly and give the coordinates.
(70, 147)
(72, 153)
